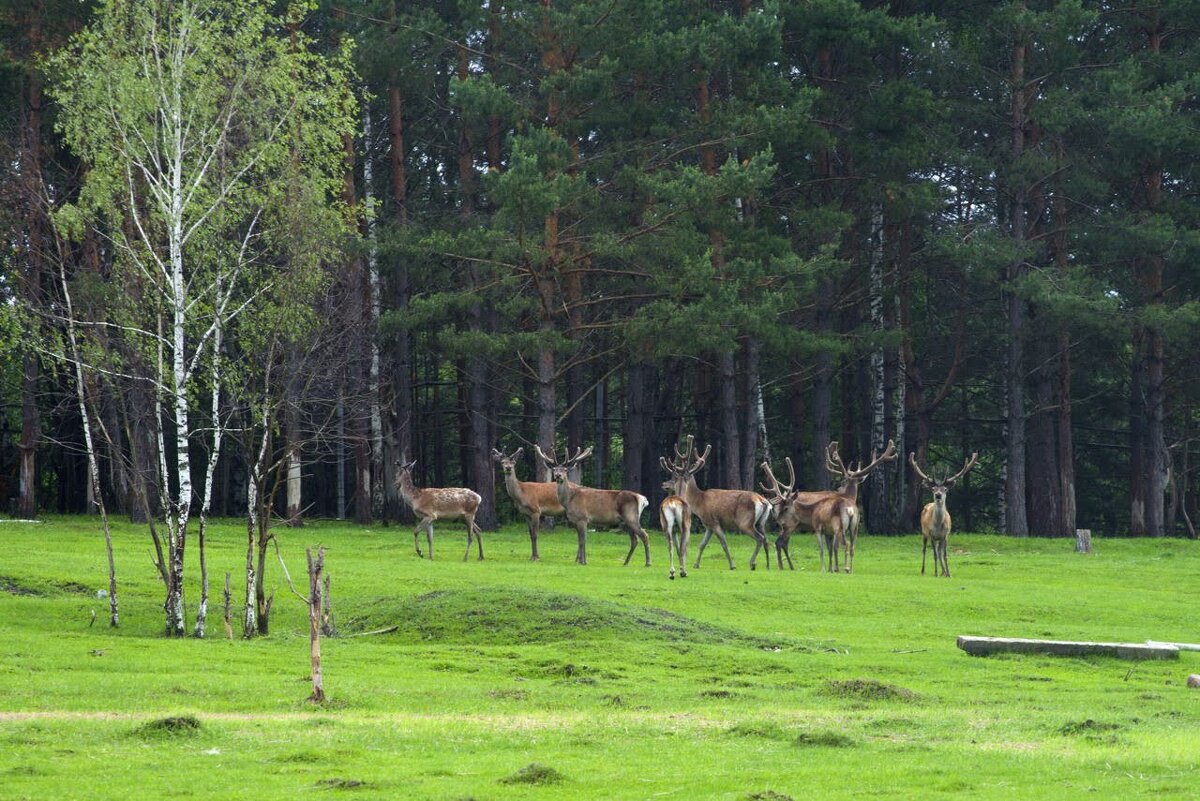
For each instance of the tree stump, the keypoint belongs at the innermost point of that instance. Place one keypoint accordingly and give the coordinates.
(1083, 540)
(1194, 681)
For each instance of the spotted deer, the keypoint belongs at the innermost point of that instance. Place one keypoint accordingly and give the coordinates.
(532, 498)
(741, 510)
(935, 519)
(676, 520)
(585, 505)
(439, 503)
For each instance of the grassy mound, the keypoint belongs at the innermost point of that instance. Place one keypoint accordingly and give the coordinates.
(535, 773)
(169, 728)
(507, 615)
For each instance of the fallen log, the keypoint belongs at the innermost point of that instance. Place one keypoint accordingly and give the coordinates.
(983, 646)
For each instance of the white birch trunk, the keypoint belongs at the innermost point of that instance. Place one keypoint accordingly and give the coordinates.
(211, 467)
(377, 488)
(878, 488)
(95, 496)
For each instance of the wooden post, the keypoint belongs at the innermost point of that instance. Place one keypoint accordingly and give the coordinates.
(314, 621)
(1083, 540)
(328, 627)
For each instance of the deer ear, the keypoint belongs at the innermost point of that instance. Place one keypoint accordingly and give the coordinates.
(497, 455)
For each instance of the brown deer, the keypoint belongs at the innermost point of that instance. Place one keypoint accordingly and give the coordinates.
(851, 478)
(585, 505)
(676, 520)
(935, 519)
(795, 509)
(718, 509)
(828, 514)
(439, 503)
(532, 498)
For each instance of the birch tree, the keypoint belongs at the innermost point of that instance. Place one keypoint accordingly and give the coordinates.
(187, 112)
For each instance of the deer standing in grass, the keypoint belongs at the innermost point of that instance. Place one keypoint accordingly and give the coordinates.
(829, 515)
(794, 509)
(584, 505)
(935, 519)
(439, 503)
(532, 498)
(676, 520)
(718, 509)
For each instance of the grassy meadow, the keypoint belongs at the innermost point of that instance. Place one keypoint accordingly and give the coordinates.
(518, 680)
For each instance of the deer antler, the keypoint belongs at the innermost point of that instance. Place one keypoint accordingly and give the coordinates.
(580, 455)
(697, 464)
(833, 460)
(966, 468)
(778, 489)
(926, 480)
(549, 461)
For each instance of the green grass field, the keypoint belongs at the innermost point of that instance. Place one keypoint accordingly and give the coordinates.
(613, 681)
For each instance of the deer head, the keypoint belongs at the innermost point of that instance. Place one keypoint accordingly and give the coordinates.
(940, 488)
(685, 465)
(559, 470)
(852, 477)
(508, 464)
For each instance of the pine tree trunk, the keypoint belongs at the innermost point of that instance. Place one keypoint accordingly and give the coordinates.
(1015, 522)
(1065, 436)
(1044, 506)
(403, 407)
(30, 277)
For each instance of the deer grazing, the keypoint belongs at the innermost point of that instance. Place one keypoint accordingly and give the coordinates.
(935, 519)
(718, 509)
(532, 498)
(675, 518)
(828, 514)
(442, 503)
(584, 505)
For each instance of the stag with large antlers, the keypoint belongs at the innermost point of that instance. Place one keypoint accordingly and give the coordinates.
(718, 509)
(439, 503)
(532, 498)
(935, 519)
(584, 505)
(832, 514)
(851, 479)
(828, 514)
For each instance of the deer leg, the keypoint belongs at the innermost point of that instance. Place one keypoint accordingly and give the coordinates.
(581, 550)
(478, 537)
(641, 532)
(945, 558)
(470, 536)
(681, 544)
(428, 521)
(633, 540)
(671, 547)
(429, 537)
(703, 544)
(725, 546)
(924, 548)
(534, 520)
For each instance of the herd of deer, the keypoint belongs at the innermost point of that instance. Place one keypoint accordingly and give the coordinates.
(832, 514)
